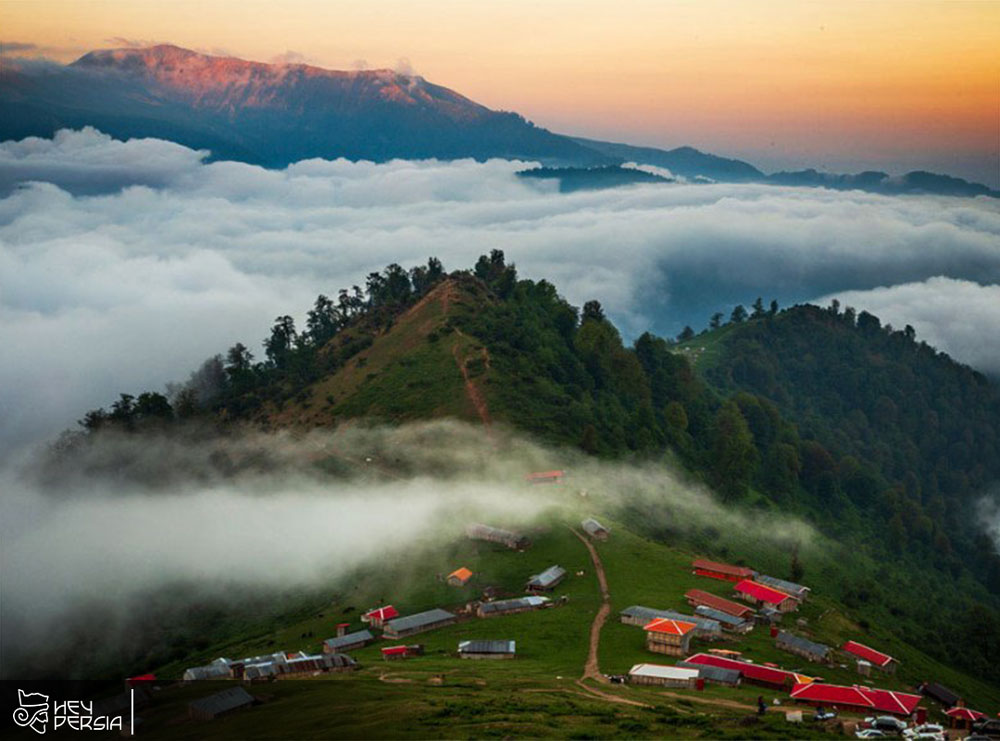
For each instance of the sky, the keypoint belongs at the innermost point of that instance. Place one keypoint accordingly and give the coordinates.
(123, 265)
(894, 85)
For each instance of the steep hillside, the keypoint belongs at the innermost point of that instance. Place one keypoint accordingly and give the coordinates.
(419, 367)
(884, 445)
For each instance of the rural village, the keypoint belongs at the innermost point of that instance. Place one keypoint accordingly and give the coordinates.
(691, 651)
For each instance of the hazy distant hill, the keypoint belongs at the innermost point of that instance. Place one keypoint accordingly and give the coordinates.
(275, 114)
(268, 114)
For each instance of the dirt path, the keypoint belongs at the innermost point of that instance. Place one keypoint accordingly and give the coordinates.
(592, 668)
(471, 389)
(710, 701)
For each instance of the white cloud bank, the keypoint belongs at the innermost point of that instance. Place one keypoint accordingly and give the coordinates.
(959, 316)
(130, 262)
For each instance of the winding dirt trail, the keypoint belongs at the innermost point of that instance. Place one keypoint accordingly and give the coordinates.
(591, 669)
(471, 389)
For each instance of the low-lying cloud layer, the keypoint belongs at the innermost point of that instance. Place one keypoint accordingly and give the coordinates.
(126, 263)
(82, 542)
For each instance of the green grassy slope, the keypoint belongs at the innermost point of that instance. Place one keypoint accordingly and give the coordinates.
(535, 694)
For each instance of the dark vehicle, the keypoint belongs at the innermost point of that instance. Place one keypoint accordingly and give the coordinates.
(822, 714)
(987, 727)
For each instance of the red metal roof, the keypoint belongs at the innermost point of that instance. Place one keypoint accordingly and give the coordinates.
(393, 650)
(721, 568)
(718, 603)
(762, 592)
(750, 671)
(669, 626)
(964, 714)
(883, 701)
(383, 613)
(869, 654)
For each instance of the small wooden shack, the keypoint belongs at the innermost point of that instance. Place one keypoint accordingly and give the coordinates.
(459, 577)
(668, 636)
(594, 529)
(803, 647)
(489, 534)
(547, 580)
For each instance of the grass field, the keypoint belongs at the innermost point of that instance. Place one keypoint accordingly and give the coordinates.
(538, 693)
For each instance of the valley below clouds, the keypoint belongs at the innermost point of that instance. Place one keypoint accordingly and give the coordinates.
(123, 265)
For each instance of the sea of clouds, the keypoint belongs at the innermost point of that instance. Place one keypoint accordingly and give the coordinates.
(124, 264)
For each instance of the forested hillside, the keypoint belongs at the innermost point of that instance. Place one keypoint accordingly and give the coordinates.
(880, 441)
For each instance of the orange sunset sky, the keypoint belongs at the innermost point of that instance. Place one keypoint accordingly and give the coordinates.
(893, 84)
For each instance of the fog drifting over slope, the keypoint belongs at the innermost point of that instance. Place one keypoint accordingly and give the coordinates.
(76, 544)
(133, 261)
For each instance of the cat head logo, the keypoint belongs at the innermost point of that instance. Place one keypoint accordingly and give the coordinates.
(34, 711)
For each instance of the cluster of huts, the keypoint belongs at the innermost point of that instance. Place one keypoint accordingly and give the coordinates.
(757, 599)
(272, 666)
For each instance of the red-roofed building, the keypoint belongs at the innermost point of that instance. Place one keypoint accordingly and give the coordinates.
(379, 615)
(962, 717)
(545, 477)
(697, 597)
(857, 697)
(876, 658)
(759, 674)
(723, 571)
(669, 636)
(763, 595)
(391, 653)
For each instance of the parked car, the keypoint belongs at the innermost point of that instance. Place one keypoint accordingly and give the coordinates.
(825, 715)
(887, 724)
(869, 733)
(987, 727)
(926, 732)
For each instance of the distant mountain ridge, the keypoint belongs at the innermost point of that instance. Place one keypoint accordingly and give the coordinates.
(276, 114)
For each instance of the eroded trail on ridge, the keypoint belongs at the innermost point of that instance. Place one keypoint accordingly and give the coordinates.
(592, 669)
(471, 389)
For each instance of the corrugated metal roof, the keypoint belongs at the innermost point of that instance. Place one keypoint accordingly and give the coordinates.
(803, 644)
(718, 615)
(211, 671)
(714, 673)
(519, 603)
(647, 614)
(478, 530)
(420, 619)
(548, 577)
(487, 647)
(660, 671)
(593, 527)
(350, 639)
(717, 603)
(782, 584)
(221, 702)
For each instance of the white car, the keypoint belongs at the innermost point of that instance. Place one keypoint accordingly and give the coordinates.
(869, 733)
